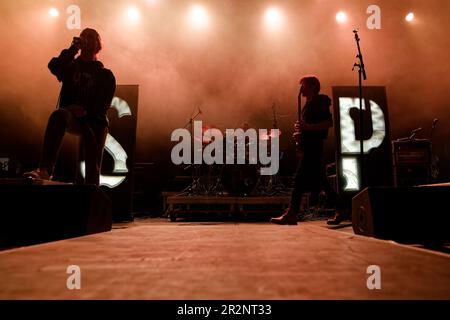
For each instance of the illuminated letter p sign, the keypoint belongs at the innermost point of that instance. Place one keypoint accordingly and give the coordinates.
(350, 146)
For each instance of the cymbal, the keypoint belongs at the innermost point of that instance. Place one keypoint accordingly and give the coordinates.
(269, 135)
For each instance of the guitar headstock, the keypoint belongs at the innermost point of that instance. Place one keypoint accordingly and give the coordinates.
(355, 31)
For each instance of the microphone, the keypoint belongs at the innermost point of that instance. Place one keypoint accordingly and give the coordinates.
(435, 121)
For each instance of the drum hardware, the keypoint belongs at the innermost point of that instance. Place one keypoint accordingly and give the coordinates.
(195, 187)
(270, 185)
(206, 180)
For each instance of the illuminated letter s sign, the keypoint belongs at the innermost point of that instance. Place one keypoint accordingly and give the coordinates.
(114, 149)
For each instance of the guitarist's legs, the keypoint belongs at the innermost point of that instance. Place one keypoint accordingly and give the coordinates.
(303, 181)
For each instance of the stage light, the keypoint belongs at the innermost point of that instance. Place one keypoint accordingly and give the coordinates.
(133, 14)
(409, 17)
(341, 17)
(53, 12)
(198, 17)
(273, 18)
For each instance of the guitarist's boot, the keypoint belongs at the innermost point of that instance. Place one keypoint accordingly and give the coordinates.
(289, 217)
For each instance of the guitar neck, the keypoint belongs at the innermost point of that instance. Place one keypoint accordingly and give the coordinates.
(299, 115)
(299, 108)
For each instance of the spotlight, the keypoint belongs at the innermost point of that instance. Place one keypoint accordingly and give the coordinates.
(409, 17)
(198, 17)
(133, 14)
(341, 17)
(53, 12)
(273, 18)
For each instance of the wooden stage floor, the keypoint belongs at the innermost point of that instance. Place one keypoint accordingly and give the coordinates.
(156, 259)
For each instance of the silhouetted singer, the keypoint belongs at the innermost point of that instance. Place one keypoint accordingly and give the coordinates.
(86, 94)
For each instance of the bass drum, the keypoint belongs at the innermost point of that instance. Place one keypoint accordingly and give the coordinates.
(240, 180)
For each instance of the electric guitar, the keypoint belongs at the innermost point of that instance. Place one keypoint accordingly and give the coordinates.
(297, 133)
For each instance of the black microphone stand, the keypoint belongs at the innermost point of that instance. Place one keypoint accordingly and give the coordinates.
(194, 186)
(362, 75)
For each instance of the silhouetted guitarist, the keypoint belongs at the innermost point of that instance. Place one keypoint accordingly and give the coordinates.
(310, 132)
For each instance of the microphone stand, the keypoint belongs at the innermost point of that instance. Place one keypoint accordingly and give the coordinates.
(191, 120)
(361, 76)
(192, 188)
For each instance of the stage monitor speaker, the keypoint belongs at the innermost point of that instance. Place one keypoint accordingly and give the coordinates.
(32, 214)
(405, 214)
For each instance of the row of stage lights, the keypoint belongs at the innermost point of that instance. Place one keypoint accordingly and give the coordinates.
(342, 17)
(198, 17)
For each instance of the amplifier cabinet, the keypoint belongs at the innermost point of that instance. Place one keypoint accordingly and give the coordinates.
(411, 162)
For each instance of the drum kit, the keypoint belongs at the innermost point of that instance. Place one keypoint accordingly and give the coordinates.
(239, 180)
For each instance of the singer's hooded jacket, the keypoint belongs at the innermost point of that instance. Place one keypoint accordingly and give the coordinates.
(87, 84)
